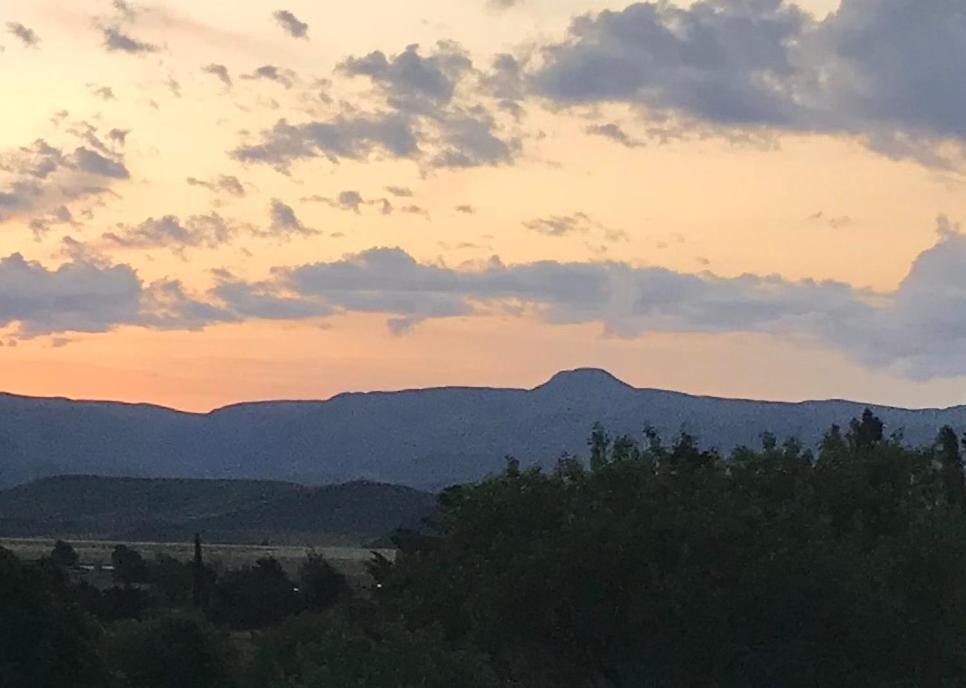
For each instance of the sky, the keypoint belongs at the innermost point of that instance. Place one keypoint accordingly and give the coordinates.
(209, 202)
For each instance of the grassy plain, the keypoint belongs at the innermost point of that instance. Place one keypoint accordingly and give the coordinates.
(97, 553)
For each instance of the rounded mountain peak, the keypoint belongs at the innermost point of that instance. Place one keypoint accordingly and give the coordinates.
(583, 380)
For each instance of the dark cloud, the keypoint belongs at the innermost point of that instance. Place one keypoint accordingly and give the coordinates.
(915, 330)
(353, 201)
(38, 179)
(170, 232)
(102, 92)
(503, 4)
(614, 132)
(224, 183)
(468, 139)
(284, 77)
(97, 164)
(284, 222)
(26, 35)
(85, 296)
(870, 69)
(58, 216)
(466, 209)
(352, 136)
(422, 117)
(290, 23)
(220, 71)
(561, 225)
(117, 41)
(400, 191)
(409, 79)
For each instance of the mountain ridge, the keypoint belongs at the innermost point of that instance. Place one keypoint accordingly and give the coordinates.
(436, 388)
(423, 438)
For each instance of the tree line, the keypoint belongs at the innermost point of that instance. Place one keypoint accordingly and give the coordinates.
(647, 564)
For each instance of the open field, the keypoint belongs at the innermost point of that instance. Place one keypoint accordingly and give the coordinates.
(349, 560)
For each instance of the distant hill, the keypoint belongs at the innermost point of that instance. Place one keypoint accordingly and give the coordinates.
(225, 511)
(422, 438)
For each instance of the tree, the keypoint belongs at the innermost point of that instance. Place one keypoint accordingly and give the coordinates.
(129, 566)
(169, 652)
(864, 434)
(201, 578)
(46, 641)
(954, 481)
(255, 597)
(321, 584)
(63, 555)
(679, 568)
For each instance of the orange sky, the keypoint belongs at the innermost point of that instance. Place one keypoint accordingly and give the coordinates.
(717, 200)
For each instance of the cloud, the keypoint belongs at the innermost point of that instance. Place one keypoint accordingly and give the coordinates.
(102, 92)
(353, 201)
(353, 136)
(117, 41)
(26, 35)
(869, 69)
(561, 225)
(41, 177)
(466, 209)
(58, 216)
(220, 71)
(284, 221)
(284, 77)
(614, 132)
(290, 23)
(171, 233)
(409, 79)
(400, 191)
(97, 164)
(83, 296)
(224, 183)
(421, 116)
(916, 330)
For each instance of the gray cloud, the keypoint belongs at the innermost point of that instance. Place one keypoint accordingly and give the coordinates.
(870, 69)
(561, 225)
(353, 201)
(409, 79)
(284, 221)
(102, 92)
(916, 330)
(220, 71)
(614, 132)
(352, 136)
(290, 23)
(117, 41)
(400, 191)
(172, 233)
(84, 296)
(284, 77)
(423, 118)
(224, 183)
(26, 35)
(41, 177)
(97, 164)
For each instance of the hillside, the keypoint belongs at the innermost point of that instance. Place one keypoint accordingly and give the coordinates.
(422, 438)
(226, 511)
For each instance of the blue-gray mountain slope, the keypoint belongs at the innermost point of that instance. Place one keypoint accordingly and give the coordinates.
(423, 438)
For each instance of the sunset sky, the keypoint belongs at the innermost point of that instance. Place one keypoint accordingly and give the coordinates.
(212, 201)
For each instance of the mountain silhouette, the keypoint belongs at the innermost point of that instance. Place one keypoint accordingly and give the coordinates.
(426, 438)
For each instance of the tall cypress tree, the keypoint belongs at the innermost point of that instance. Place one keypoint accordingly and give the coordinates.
(199, 586)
